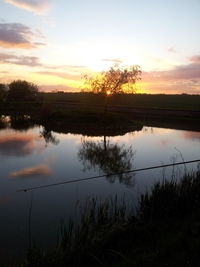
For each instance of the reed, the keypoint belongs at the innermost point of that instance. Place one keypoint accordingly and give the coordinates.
(164, 230)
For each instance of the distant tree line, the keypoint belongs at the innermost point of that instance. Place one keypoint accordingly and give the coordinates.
(18, 90)
(116, 80)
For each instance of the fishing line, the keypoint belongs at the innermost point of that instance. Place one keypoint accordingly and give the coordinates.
(104, 175)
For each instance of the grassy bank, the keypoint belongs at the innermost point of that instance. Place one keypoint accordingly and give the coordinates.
(165, 231)
(78, 121)
(86, 113)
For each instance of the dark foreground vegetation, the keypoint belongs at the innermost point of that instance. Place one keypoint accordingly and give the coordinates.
(163, 231)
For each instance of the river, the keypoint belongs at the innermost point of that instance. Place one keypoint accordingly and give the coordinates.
(32, 156)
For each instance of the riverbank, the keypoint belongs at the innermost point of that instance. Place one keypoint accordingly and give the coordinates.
(88, 114)
(165, 231)
(142, 105)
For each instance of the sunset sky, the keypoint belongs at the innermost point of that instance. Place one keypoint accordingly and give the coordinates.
(53, 43)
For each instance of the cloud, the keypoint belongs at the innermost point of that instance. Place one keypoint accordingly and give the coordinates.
(183, 72)
(164, 142)
(63, 75)
(113, 60)
(20, 60)
(39, 7)
(39, 170)
(18, 145)
(17, 35)
(59, 87)
(195, 59)
(171, 50)
(181, 79)
(191, 135)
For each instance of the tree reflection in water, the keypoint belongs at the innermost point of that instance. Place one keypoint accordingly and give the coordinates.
(108, 158)
(48, 136)
(21, 122)
(3, 122)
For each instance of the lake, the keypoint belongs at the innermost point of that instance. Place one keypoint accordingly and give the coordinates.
(33, 156)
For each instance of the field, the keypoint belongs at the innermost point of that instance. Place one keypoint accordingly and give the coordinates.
(177, 102)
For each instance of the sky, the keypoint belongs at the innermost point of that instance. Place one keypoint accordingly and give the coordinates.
(54, 43)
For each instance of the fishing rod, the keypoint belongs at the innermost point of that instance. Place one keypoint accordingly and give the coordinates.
(104, 175)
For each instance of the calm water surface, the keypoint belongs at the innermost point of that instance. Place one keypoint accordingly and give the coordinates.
(35, 157)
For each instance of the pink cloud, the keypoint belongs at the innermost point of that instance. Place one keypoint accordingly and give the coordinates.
(18, 145)
(17, 35)
(183, 72)
(191, 135)
(20, 60)
(195, 59)
(113, 60)
(164, 142)
(39, 7)
(171, 50)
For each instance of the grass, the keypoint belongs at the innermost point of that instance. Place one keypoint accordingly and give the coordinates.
(164, 231)
(179, 102)
(160, 101)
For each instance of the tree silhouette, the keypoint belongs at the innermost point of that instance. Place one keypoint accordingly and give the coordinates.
(3, 122)
(109, 158)
(117, 80)
(22, 90)
(2, 91)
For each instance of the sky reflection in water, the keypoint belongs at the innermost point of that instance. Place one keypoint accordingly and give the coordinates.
(38, 156)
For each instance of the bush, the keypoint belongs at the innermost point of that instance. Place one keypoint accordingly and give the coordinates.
(22, 90)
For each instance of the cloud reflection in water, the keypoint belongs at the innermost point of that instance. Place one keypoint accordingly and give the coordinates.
(19, 145)
(39, 170)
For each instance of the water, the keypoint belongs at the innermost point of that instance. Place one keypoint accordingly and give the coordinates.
(34, 156)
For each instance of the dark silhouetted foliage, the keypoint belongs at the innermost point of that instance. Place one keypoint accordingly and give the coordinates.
(117, 80)
(2, 91)
(22, 90)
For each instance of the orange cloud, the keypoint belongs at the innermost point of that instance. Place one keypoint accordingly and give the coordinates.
(61, 74)
(33, 171)
(191, 135)
(39, 7)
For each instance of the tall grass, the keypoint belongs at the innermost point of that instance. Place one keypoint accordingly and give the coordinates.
(164, 231)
